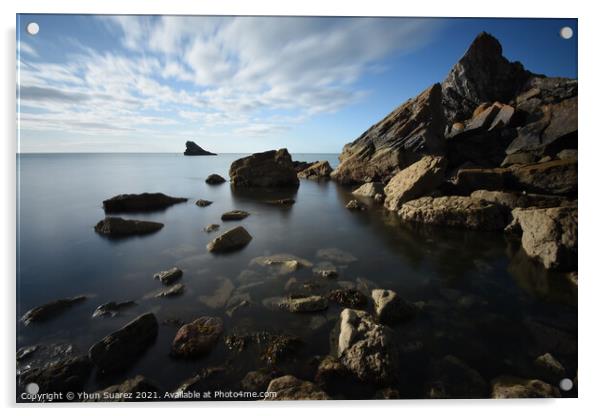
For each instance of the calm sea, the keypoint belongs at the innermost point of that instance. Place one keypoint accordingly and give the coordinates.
(478, 293)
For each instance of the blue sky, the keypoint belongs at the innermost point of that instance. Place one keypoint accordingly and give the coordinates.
(243, 84)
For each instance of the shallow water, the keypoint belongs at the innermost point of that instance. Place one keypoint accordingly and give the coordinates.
(479, 294)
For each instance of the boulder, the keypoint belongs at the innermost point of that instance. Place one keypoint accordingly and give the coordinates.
(167, 277)
(118, 227)
(269, 169)
(549, 235)
(412, 130)
(112, 308)
(335, 255)
(291, 388)
(50, 310)
(507, 387)
(193, 149)
(366, 348)
(126, 391)
(197, 338)
(416, 180)
(117, 351)
(390, 308)
(235, 215)
(304, 304)
(214, 179)
(233, 239)
(331, 374)
(63, 376)
(139, 202)
(319, 170)
(370, 190)
(451, 378)
(203, 203)
(355, 205)
(454, 211)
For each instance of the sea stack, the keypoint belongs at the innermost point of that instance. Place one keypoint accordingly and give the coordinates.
(193, 149)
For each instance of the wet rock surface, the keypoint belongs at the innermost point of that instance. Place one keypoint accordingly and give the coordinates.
(112, 309)
(291, 388)
(167, 277)
(390, 308)
(140, 202)
(117, 351)
(318, 170)
(118, 227)
(197, 338)
(203, 203)
(235, 215)
(507, 387)
(68, 375)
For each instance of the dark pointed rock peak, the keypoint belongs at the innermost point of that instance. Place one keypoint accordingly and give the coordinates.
(140, 202)
(482, 74)
(193, 149)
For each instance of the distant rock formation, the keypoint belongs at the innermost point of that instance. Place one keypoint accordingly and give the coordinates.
(193, 149)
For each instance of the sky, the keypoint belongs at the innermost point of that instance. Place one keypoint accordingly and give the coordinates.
(243, 84)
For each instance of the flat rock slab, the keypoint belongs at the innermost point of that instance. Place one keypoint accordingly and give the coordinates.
(118, 227)
(117, 351)
(235, 215)
(140, 202)
(167, 277)
(197, 338)
(234, 239)
(50, 310)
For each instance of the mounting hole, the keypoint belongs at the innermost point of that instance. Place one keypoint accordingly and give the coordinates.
(566, 32)
(566, 384)
(32, 28)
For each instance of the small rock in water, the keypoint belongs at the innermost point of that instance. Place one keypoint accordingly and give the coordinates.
(507, 387)
(211, 228)
(281, 263)
(173, 290)
(214, 179)
(118, 227)
(197, 338)
(550, 367)
(355, 205)
(235, 215)
(140, 202)
(167, 277)
(50, 310)
(306, 304)
(349, 298)
(287, 202)
(24, 353)
(325, 270)
(112, 308)
(203, 203)
(390, 307)
(233, 239)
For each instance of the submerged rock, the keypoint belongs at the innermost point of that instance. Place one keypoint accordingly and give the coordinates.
(319, 170)
(233, 239)
(167, 277)
(335, 255)
(211, 228)
(50, 310)
(349, 298)
(284, 202)
(256, 381)
(454, 211)
(235, 215)
(304, 304)
(197, 338)
(220, 296)
(331, 374)
(112, 308)
(67, 375)
(126, 391)
(193, 149)
(214, 179)
(325, 270)
(119, 350)
(451, 378)
(549, 235)
(507, 387)
(370, 190)
(355, 205)
(366, 348)
(273, 168)
(140, 202)
(118, 227)
(171, 291)
(203, 203)
(291, 388)
(418, 179)
(391, 308)
(282, 263)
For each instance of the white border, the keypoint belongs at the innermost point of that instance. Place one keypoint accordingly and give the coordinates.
(589, 153)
